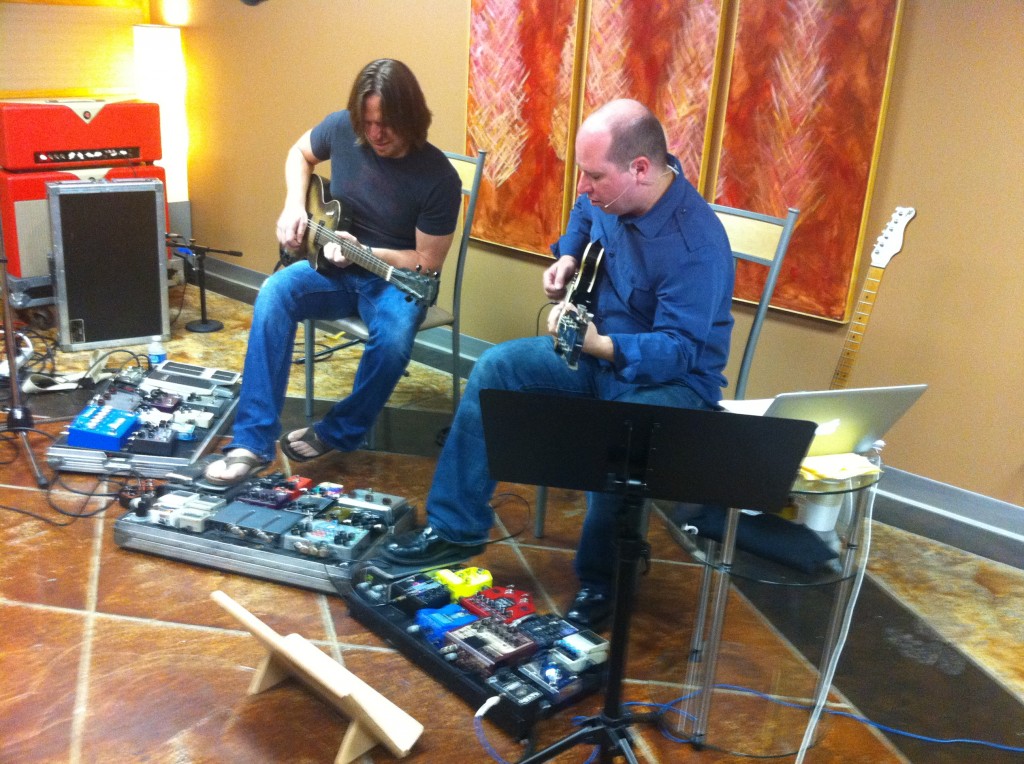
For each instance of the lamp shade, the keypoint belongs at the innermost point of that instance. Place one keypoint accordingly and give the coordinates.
(160, 78)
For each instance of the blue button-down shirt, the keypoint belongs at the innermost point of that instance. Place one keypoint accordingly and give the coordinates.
(665, 288)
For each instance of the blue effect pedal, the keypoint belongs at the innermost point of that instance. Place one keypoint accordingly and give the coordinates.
(102, 428)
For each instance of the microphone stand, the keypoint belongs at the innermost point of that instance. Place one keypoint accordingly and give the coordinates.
(19, 417)
(199, 252)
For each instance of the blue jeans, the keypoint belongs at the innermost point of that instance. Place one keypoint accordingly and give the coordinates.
(294, 294)
(458, 503)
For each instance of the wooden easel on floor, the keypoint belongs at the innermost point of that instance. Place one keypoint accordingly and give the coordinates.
(373, 718)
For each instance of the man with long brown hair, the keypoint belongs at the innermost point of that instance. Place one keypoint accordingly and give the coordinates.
(404, 196)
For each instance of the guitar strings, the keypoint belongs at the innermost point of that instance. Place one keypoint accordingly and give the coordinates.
(375, 262)
(410, 282)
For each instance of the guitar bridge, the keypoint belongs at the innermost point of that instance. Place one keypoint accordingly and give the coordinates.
(572, 328)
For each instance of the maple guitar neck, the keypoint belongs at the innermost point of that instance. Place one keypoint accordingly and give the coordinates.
(888, 245)
(858, 325)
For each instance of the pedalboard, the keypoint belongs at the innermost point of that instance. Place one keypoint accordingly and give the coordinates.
(477, 638)
(220, 376)
(480, 640)
(280, 529)
(137, 423)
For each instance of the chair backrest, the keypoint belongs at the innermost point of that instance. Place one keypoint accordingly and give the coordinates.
(761, 239)
(471, 170)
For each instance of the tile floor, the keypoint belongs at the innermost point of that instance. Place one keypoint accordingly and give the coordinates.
(108, 655)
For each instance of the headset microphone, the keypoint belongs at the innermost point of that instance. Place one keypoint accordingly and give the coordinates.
(609, 204)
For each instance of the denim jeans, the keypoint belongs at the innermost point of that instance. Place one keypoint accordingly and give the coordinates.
(294, 294)
(458, 503)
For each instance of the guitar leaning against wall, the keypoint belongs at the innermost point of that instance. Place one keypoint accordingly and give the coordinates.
(887, 246)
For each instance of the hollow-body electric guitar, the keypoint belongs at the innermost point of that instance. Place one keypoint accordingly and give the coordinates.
(326, 217)
(888, 245)
(579, 298)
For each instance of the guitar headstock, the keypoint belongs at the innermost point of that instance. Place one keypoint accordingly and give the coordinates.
(420, 287)
(890, 242)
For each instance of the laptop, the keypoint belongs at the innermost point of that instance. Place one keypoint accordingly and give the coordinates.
(849, 421)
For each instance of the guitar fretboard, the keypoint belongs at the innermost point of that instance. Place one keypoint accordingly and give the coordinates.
(858, 325)
(361, 256)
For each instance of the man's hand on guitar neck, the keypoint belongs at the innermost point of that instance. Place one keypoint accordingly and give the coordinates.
(333, 253)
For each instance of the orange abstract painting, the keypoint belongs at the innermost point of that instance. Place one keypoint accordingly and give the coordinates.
(802, 115)
(521, 69)
(803, 119)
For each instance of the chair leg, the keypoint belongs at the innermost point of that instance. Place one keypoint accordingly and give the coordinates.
(456, 371)
(540, 512)
(308, 361)
(710, 649)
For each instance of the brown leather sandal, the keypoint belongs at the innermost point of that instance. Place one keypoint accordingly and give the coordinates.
(310, 439)
(253, 465)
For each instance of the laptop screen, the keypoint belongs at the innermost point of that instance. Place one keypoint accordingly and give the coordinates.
(849, 421)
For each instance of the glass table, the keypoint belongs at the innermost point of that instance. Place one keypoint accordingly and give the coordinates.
(839, 511)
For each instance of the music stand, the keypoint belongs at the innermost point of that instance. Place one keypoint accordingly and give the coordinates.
(640, 452)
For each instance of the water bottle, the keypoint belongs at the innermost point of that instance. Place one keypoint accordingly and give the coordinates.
(156, 352)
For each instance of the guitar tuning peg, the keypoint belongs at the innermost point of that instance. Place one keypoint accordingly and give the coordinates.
(419, 267)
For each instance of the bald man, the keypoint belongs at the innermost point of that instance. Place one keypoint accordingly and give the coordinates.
(659, 335)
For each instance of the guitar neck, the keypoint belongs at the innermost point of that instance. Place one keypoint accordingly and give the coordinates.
(356, 253)
(858, 326)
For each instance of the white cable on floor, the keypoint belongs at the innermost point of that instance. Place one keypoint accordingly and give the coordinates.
(837, 652)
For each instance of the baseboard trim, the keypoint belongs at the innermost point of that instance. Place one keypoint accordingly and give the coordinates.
(962, 519)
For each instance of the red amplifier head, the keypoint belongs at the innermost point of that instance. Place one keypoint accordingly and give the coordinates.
(56, 134)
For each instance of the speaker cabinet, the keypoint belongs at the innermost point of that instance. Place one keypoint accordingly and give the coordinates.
(109, 262)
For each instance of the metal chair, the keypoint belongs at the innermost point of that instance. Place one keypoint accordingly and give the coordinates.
(470, 169)
(755, 238)
(761, 239)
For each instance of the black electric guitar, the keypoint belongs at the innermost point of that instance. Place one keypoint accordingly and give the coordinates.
(579, 298)
(327, 216)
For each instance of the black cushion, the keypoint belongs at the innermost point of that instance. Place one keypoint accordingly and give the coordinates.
(766, 535)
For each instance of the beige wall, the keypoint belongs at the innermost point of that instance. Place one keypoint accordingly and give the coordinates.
(949, 310)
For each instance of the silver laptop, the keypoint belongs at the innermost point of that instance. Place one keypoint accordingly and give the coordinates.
(849, 421)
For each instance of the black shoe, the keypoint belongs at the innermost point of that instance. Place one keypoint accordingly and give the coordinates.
(590, 609)
(424, 545)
